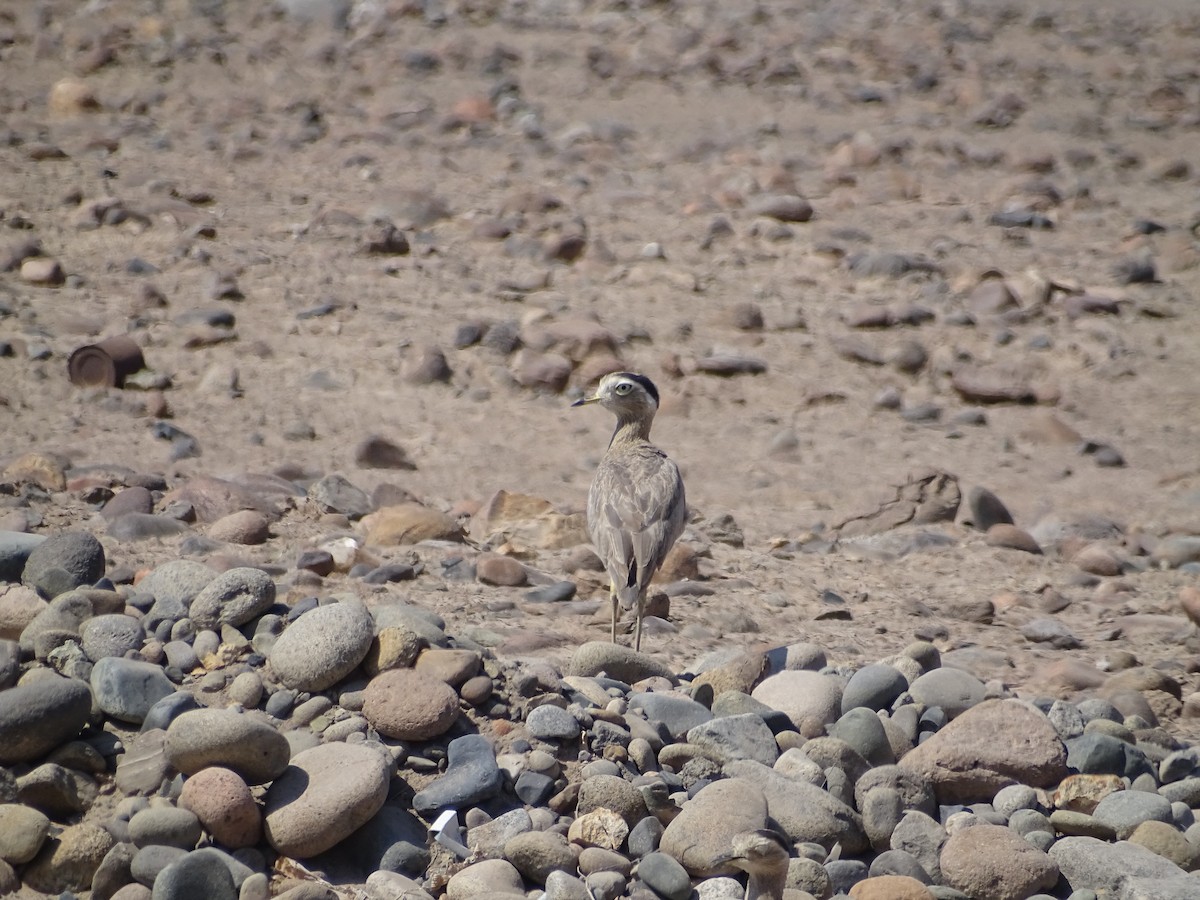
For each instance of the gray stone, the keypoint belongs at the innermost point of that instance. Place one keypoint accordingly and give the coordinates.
(804, 811)
(177, 582)
(135, 526)
(611, 792)
(1124, 811)
(804, 696)
(234, 597)
(126, 689)
(863, 730)
(665, 876)
(166, 825)
(536, 854)
(488, 840)
(952, 690)
(15, 547)
(200, 875)
(923, 838)
(114, 634)
(22, 832)
(616, 661)
(986, 509)
(472, 776)
(875, 687)
(551, 723)
(38, 716)
(677, 713)
(335, 493)
(243, 742)
(323, 646)
(64, 562)
(705, 827)
(1122, 870)
(735, 737)
(898, 862)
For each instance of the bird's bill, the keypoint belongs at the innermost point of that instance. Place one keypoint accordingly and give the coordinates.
(583, 401)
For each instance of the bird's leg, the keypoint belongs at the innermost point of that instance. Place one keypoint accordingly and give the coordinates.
(637, 638)
(612, 595)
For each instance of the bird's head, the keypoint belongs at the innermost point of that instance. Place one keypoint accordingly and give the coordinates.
(758, 852)
(627, 394)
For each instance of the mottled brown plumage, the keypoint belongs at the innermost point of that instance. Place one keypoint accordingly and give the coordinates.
(763, 855)
(636, 506)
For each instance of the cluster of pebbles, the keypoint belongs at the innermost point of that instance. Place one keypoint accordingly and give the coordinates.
(192, 736)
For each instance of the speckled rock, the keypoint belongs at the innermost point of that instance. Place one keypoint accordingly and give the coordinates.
(223, 803)
(63, 562)
(68, 862)
(409, 705)
(234, 597)
(707, 824)
(323, 646)
(994, 861)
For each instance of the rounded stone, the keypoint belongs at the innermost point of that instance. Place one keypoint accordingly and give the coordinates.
(486, 877)
(126, 689)
(221, 737)
(995, 862)
(536, 854)
(38, 716)
(234, 597)
(111, 635)
(953, 690)
(323, 646)
(325, 795)
(409, 706)
(246, 526)
(165, 825)
(68, 862)
(201, 875)
(665, 876)
(807, 698)
(875, 687)
(177, 581)
(63, 562)
(22, 831)
(222, 801)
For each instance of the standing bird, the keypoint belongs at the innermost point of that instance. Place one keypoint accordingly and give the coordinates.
(636, 506)
(764, 856)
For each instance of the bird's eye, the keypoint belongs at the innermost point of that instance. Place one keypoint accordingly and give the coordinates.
(623, 388)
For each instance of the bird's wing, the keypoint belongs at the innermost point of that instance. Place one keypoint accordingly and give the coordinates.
(639, 512)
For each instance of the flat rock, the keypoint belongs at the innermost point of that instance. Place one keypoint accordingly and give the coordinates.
(615, 661)
(324, 796)
(992, 745)
(744, 736)
(472, 775)
(409, 523)
(678, 713)
(323, 646)
(177, 581)
(1122, 870)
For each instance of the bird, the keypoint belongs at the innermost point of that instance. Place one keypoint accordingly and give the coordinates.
(763, 855)
(636, 507)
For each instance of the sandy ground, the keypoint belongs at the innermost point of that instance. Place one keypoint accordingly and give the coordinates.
(243, 142)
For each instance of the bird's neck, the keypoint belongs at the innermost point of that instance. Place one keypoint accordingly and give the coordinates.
(766, 885)
(631, 431)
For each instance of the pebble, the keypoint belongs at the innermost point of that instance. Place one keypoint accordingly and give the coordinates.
(472, 775)
(995, 861)
(126, 689)
(234, 597)
(809, 699)
(551, 723)
(224, 805)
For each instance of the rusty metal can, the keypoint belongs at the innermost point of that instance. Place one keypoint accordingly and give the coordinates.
(106, 364)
